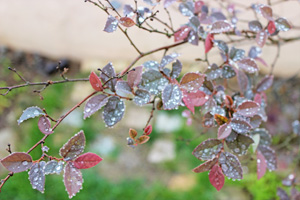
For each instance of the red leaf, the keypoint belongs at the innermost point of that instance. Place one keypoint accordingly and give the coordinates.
(248, 65)
(192, 81)
(127, 22)
(182, 33)
(148, 130)
(261, 38)
(209, 42)
(74, 147)
(216, 177)
(17, 162)
(87, 160)
(205, 166)
(267, 12)
(135, 77)
(192, 99)
(95, 82)
(44, 125)
(224, 131)
(261, 165)
(198, 5)
(271, 27)
(72, 179)
(248, 108)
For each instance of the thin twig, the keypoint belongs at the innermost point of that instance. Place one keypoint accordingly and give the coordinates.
(15, 71)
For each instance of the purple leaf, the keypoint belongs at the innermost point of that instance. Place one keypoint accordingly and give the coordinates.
(266, 11)
(255, 26)
(240, 145)
(171, 96)
(217, 16)
(254, 52)
(134, 77)
(220, 27)
(17, 162)
(193, 38)
(151, 65)
(176, 69)
(236, 54)
(205, 166)
(240, 126)
(187, 8)
(216, 177)
(255, 121)
(111, 24)
(242, 81)
(213, 72)
(261, 165)
(248, 65)
(265, 83)
(108, 75)
(141, 97)
(128, 10)
(113, 111)
(269, 155)
(30, 112)
(265, 137)
(224, 131)
(168, 59)
(195, 23)
(123, 89)
(72, 179)
(53, 167)
(248, 108)
(192, 81)
(261, 38)
(182, 33)
(208, 120)
(94, 104)
(208, 149)
(37, 176)
(228, 72)
(44, 125)
(153, 81)
(221, 45)
(282, 194)
(74, 147)
(231, 166)
(282, 24)
(167, 3)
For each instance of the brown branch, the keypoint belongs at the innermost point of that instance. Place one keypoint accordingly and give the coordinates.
(275, 59)
(21, 77)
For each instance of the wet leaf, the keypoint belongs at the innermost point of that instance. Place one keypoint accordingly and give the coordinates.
(261, 38)
(87, 160)
(282, 24)
(208, 149)
(220, 119)
(171, 96)
(255, 121)
(240, 125)
(224, 131)
(193, 38)
(282, 194)
(216, 177)
(261, 165)
(248, 65)
(176, 69)
(127, 22)
(107, 76)
(271, 27)
(208, 120)
(270, 156)
(113, 111)
(134, 77)
(248, 108)
(72, 179)
(17, 162)
(148, 129)
(228, 72)
(192, 81)
(187, 8)
(236, 54)
(221, 45)
(217, 16)
(142, 139)
(123, 89)
(74, 147)
(242, 81)
(30, 112)
(168, 59)
(198, 5)
(95, 82)
(265, 83)
(209, 42)
(111, 24)
(240, 145)
(220, 27)
(94, 104)
(266, 11)
(53, 167)
(182, 33)
(254, 52)
(151, 65)
(44, 125)
(265, 137)
(205, 166)
(141, 97)
(153, 81)
(231, 166)
(255, 26)
(167, 3)
(128, 10)
(37, 176)
(193, 99)
(213, 72)
(195, 23)
(217, 110)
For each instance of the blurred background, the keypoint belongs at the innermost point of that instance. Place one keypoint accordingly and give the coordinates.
(36, 35)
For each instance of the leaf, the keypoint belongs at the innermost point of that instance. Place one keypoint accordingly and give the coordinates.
(134, 77)
(111, 24)
(30, 112)
(220, 119)
(270, 156)
(222, 46)
(228, 72)
(193, 38)
(209, 42)
(248, 108)
(192, 81)
(208, 120)
(53, 166)
(108, 75)
(187, 8)
(282, 194)
(198, 6)
(151, 65)
(153, 81)
(248, 65)
(148, 130)
(240, 126)
(216, 177)
(220, 27)
(261, 38)
(87, 160)
(132, 133)
(240, 145)
(231, 166)
(128, 10)
(236, 54)
(74, 147)
(113, 111)
(213, 72)
(142, 139)
(217, 16)
(205, 166)
(141, 97)
(171, 96)
(255, 121)
(224, 131)
(127, 22)
(267, 12)
(95, 82)
(37, 176)
(261, 165)
(242, 81)
(176, 69)
(255, 26)
(44, 125)
(282, 24)
(168, 59)
(194, 23)
(265, 83)
(167, 3)
(208, 149)
(265, 137)
(123, 89)
(271, 27)
(192, 99)
(72, 179)
(217, 110)
(254, 52)
(17, 162)
(94, 104)
(182, 33)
